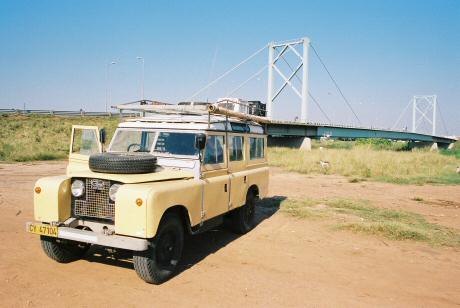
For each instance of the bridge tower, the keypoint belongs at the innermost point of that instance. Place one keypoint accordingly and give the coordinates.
(276, 52)
(424, 111)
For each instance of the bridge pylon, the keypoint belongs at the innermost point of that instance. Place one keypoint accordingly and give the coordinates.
(276, 52)
(424, 111)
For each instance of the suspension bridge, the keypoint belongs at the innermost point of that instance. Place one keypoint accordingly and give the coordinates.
(424, 109)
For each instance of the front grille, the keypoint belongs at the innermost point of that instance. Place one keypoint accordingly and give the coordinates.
(95, 202)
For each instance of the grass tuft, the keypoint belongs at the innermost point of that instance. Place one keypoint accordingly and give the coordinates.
(359, 216)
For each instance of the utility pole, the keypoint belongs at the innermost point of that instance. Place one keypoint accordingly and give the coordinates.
(107, 90)
(142, 76)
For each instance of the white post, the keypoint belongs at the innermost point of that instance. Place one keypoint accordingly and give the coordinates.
(271, 50)
(142, 77)
(413, 113)
(108, 97)
(434, 114)
(106, 86)
(304, 110)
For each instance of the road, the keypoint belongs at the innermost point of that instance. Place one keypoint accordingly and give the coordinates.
(283, 262)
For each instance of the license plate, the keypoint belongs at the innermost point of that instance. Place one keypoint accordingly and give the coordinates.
(46, 230)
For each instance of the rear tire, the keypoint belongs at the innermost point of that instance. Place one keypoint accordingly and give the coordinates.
(63, 251)
(242, 219)
(160, 261)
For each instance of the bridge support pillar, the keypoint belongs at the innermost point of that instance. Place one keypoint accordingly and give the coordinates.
(301, 143)
(306, 144)
(434, 147)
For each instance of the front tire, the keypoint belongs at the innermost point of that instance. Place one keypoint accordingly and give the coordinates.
(160, 261)
(63, 251)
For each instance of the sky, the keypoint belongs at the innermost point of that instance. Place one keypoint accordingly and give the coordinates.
(55, 54)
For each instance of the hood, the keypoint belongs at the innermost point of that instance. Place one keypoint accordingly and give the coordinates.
(159, 175)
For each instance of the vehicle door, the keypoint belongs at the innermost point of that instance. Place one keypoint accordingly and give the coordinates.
(215, 176)
(85, 140)
(237, 170)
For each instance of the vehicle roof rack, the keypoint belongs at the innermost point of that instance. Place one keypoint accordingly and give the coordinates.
(197, 112)
(148, 106)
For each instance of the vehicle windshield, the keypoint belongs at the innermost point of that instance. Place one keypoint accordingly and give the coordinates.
(138, 140)
(132, 141)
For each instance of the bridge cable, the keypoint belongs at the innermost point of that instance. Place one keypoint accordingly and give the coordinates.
(442, 120)
(401, 115)
(321, 109)
(335, 83)
(247, 80)
(309, 93)
(226, 73)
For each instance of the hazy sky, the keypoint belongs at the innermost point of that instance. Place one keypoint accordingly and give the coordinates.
(53, 54)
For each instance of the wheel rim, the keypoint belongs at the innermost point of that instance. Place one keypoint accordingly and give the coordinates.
(166, 249)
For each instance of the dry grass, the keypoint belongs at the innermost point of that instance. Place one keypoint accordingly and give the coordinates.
(360, 216)
(26, 138)
(363, 162)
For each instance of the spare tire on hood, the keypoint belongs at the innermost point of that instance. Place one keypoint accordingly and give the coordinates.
(122, 163)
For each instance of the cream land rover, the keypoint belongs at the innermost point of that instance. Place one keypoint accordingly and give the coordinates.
(159, 178)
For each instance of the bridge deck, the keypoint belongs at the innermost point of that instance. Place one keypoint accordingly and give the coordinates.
(314, 130)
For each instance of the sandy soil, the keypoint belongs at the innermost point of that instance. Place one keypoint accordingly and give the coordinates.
(283, 262)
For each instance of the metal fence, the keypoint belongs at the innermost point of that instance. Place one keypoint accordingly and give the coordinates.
(80, 113)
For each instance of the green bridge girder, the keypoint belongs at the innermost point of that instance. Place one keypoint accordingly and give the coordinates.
(291, 129)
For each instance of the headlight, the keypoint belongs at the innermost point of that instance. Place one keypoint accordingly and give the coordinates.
(113, 191)
(78, 188)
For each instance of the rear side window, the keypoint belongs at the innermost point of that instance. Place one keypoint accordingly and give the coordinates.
(214, 152)
(256, 148)
(235, 147)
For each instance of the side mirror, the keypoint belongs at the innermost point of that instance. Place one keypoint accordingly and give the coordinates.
(102, 135)
(200, 141)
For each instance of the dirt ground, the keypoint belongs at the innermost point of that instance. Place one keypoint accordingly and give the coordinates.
(284, 261)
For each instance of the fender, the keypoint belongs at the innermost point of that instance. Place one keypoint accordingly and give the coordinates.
(52, 203)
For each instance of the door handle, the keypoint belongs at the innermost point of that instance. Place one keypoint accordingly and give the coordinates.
(225, 187)
(244, 179)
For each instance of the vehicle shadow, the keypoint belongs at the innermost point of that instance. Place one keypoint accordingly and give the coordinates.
(196, 248)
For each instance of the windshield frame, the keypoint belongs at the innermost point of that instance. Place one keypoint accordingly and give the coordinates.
(157, 132)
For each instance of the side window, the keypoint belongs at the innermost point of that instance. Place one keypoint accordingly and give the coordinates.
(214, 151)
(85, 141)
(256, 148)
(176, 143)
(235, 147)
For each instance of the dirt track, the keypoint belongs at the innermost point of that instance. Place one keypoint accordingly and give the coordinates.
(282, 262)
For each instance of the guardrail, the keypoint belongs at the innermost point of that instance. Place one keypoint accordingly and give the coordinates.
(80, 113)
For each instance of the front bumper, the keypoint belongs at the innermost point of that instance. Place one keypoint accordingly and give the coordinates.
(85, 236)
